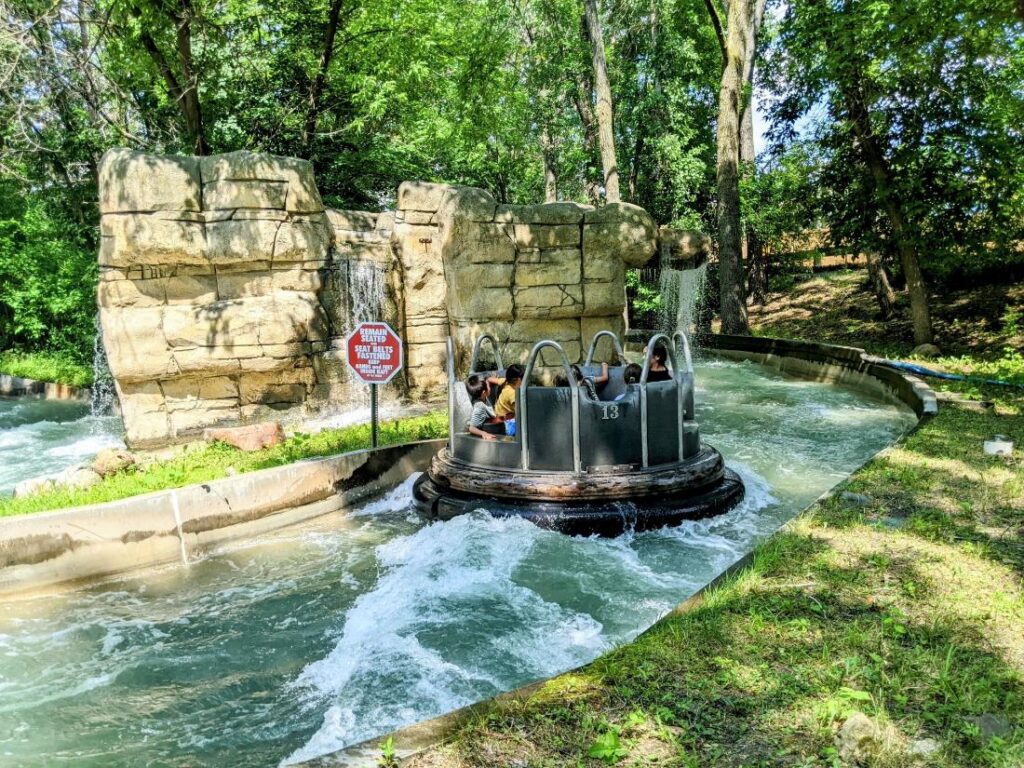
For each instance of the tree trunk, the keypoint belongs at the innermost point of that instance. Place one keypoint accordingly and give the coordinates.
(878, 275)
(581, 98)
(758, 264)
(190, 105)
(317, 86)
(603, 91)
(547, 147)
(756, 256)
(881, 176)
(634, 167)
(730, 233)
(747, 153)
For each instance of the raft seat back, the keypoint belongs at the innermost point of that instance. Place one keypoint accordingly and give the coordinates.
(610, 431)
(662, 423)
(502, 453)
(549, 427)
(615, 385)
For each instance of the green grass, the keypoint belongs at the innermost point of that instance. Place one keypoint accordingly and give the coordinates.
(43, 366)
(203, 462)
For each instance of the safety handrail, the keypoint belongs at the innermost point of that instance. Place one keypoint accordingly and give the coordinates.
(677, 337)
(648, 356)
(476, 352)
(521, 425)
(593, 346)
(450, 349)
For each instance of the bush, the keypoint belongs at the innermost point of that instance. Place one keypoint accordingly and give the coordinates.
(47, 278)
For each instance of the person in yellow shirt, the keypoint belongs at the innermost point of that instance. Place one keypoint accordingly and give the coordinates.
(505, 405)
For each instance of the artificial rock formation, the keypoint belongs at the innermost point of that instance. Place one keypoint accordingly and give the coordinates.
(524, 273)
(210, 274)
(227, 288)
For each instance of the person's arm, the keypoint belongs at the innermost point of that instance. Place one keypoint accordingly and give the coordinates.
(604, 374)
(495, 380)
(480, 433)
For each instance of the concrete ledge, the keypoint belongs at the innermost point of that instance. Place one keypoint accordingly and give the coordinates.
(806, 360)
(43, 550)
(16, 386)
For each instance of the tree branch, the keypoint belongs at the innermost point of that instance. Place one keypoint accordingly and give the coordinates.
(716, 22)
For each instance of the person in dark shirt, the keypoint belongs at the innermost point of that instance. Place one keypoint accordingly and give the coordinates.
(658, 371)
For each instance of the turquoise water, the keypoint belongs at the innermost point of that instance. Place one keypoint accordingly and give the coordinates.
(42, 437)
(339, 630)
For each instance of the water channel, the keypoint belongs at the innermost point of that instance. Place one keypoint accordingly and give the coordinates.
(322, 635)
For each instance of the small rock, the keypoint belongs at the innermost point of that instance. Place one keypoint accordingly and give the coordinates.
(991, 726)
(78, 477)
(231, 471)
(249, 438)
(858, 739)
(923, 748)
(33, 486)
(110, 461)
(926, 350)
(856, 499)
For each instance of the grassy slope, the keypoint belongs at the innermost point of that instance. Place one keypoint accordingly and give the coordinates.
(202, 462)
(42, 366)
(909, 609)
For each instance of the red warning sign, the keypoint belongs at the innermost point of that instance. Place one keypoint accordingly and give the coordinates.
(374, 352)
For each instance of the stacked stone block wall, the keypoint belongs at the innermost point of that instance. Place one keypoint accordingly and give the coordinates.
(210, 275)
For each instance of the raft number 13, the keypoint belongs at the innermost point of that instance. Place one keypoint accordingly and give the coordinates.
(609, 411)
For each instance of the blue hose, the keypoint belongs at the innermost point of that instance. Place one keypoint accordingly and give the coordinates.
(920, 370)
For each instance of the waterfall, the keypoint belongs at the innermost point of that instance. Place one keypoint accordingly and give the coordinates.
(101, 400)
(367, 288)
(681, 293)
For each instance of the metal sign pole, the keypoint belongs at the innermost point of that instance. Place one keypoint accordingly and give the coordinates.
(373, 415)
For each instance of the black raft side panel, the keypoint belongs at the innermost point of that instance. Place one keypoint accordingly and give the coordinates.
(662, 423)
(501, 453)
(610, 431)
(549, 427)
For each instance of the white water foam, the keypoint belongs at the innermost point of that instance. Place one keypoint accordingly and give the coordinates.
(393, 643)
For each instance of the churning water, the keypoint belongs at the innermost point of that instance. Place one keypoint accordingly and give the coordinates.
(39, 437)
(339, 630)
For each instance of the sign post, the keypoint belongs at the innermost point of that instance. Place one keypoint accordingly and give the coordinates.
(375, 355)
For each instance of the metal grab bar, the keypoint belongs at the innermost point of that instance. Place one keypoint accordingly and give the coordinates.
(593, 346)
(476, 352)
(521, 427)
(648, 356)
(678, 337)
(450, 348)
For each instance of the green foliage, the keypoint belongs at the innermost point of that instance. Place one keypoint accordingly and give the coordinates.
(388, 758)
(201, 462)
(937, 84)
(47, 278)
(608, 747)
(43, 366)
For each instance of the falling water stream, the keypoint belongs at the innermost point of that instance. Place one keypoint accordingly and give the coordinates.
(320, 635)
(681, 293)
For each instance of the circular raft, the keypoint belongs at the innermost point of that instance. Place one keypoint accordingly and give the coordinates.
(601, 503)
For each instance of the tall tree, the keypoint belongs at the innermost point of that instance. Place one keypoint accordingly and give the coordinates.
(603, 94)
(733, 40)
(917, 107)
(756, 262)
